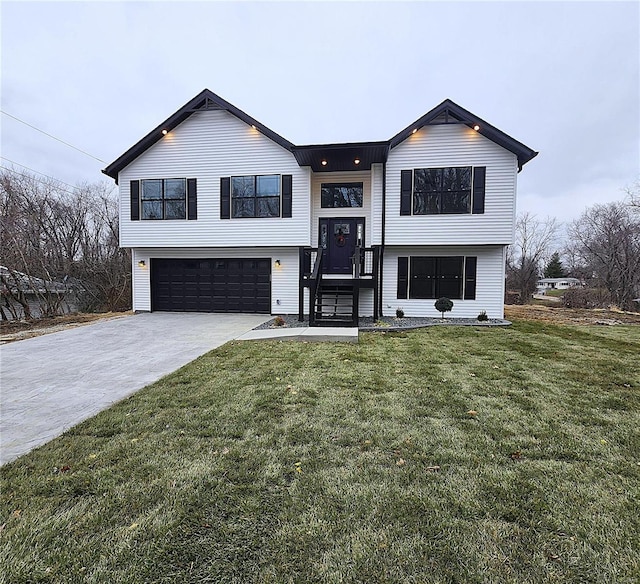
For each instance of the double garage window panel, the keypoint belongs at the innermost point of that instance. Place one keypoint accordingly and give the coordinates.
(164, 198)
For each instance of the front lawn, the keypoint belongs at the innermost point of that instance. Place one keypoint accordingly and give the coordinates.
(466, 455)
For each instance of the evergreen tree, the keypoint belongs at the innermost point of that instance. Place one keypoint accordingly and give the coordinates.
(554, 269)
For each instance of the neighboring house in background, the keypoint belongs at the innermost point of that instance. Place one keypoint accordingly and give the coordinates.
(18, 289)
(224, 215)
(557, 284)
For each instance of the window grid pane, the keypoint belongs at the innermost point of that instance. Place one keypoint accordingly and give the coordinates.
(255, 196)
(442, 191)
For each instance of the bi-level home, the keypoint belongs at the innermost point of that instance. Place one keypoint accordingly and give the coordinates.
(224, 215)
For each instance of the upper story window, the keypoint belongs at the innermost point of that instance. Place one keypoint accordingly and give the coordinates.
(164, 198)
(255, 196)
(334, 195)
(443, 191)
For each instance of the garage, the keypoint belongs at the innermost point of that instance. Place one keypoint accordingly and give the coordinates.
(211, 285)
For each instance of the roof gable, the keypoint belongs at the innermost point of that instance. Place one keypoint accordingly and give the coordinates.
(205, 100)
(449, 112)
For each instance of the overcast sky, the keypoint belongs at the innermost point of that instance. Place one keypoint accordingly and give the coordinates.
(562, 77)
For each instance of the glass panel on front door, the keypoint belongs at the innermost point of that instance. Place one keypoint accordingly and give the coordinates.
(338, 238)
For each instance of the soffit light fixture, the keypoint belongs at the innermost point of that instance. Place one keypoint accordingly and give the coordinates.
(323, 162)
(414, 130)
(357, 161)
(165, 132)
(476, 127)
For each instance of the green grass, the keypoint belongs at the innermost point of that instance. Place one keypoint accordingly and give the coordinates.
(278, 462)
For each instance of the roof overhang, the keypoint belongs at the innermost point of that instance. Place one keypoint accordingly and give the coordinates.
(206, 100)
(340, 157)
(449, 112)
(337, 157)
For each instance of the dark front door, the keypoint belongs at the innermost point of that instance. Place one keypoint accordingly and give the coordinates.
(338, 240)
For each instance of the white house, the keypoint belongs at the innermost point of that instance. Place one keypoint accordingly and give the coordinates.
(222, 214)
(557, 283)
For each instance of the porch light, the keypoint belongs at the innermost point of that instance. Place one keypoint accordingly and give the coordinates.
(165, 132)
(476, 127)
(278, 264)
(323, 162)
(357, 161)
(141, 264)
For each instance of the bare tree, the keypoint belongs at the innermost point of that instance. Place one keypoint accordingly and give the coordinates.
(55, 241)
(606, 238)
(534, 241)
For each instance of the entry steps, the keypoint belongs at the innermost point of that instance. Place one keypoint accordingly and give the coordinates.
(336, 305)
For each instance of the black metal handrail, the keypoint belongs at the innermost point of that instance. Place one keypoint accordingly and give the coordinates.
(314, 283)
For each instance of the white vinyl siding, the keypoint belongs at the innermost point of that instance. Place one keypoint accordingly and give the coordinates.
(489, 282)
(317, 211)
(284, 278)
(207, 146)
(442, 146)
(376, 204)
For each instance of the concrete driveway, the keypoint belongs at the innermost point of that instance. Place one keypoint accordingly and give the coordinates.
(55, 381)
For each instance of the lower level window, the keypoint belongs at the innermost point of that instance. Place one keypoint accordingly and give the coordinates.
(434, 277)
(164, 198)
(424, 277)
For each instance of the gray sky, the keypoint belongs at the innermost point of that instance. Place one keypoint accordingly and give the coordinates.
(562, 77)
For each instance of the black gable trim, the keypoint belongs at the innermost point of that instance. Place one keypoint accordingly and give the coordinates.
(203, 101)
(456, 114)
(339, 156)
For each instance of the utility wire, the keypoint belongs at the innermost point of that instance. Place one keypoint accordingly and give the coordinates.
(37, 172)
(51, 136)
(38, 180)
(77, 189)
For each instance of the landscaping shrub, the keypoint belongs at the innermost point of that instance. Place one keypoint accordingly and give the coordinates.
(399, 313)
(443, 305)
(483, 316)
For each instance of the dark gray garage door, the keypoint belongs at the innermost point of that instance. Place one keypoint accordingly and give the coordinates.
(211, 285)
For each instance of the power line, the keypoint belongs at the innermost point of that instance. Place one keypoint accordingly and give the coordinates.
(37, 172)
(51, 136)
(77, 189)
(38, 180)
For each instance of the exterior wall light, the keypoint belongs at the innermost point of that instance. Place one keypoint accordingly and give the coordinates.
(278, 264)
(141, 264)
(476, 127)
(165, 132)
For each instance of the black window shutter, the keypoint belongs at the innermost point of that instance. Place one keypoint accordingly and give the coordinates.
(470, 264)
(479, 173)
(287, 195)
(225, 197)
(192, 199)
(135, 200)
(405, 192)
(403, 276)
